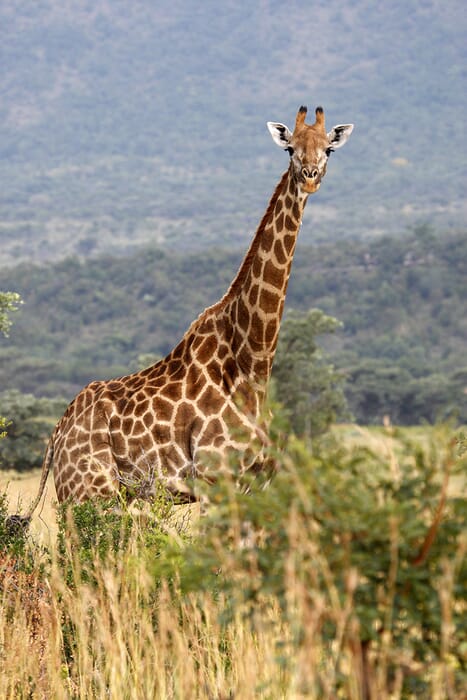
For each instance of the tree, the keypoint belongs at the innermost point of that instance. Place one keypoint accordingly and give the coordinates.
(3, 425)
(376, 389)
(310, 389)
(29, 423)
(9, 302)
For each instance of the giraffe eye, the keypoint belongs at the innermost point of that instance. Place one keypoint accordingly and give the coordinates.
(289, 151)
(329, 151)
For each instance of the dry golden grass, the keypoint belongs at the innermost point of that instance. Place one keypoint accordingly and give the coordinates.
(119, 638)
(83, 641)
(133, 634)
(21, 488)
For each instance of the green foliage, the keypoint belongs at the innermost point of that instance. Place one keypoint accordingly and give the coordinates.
(401, 301)
(378, 530)
(93, 533)
(9, 302)
(359, 546)
(30, 421)
(307, 385)
(376, 389)
(376, 516)
(3, 424)
(14, 542)
(94, 529)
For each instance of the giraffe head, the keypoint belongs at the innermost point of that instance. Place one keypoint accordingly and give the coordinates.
(309, 146)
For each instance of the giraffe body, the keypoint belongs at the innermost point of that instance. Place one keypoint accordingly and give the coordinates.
(180, 419)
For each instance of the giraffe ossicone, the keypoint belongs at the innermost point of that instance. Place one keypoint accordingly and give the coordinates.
(180, 419)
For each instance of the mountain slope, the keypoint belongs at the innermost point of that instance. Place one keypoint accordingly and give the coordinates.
(123, 123)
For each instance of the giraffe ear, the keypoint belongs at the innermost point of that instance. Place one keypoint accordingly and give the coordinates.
(280, 133)
(339, 135)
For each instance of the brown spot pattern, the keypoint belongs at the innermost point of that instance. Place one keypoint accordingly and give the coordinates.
(204, 399)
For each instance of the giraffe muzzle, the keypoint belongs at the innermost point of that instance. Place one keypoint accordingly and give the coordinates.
(310, 179)
(310, 185)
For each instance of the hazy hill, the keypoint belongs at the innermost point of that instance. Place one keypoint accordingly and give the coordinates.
(402, 301)
(123, 123)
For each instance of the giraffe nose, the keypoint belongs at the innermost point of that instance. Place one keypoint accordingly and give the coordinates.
(310, 173)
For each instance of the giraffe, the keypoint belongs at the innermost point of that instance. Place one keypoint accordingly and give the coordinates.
(179, 420)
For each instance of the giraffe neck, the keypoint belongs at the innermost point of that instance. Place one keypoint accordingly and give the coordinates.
(255, 299)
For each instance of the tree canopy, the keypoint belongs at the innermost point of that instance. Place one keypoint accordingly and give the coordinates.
(9, 302)
(401, 302)
(309, 387)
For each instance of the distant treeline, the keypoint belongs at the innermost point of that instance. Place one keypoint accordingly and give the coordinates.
(401, 300)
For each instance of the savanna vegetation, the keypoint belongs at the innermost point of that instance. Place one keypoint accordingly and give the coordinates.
(133, 162)
(345, 577)
(396, 350)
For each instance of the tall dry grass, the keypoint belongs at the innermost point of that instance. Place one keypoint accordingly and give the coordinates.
(119, 638)
(228, 609)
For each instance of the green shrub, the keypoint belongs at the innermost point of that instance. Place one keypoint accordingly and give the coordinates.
(309, 387)
(30, 423)
(3, 424)
(15, 543)
(374, 539)
(101, 532)
(350, 562)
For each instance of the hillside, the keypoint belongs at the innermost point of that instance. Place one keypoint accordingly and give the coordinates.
(128, 123)
(402, 302)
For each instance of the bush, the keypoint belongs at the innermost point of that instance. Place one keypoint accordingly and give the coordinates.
(369, 543)
(344, 577)
(9, 302)
(94, 533)
(15, 545)
(30, 421)
(310, 389)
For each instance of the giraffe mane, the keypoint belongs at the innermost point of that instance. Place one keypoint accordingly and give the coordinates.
(247, 261)
(253, 249)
